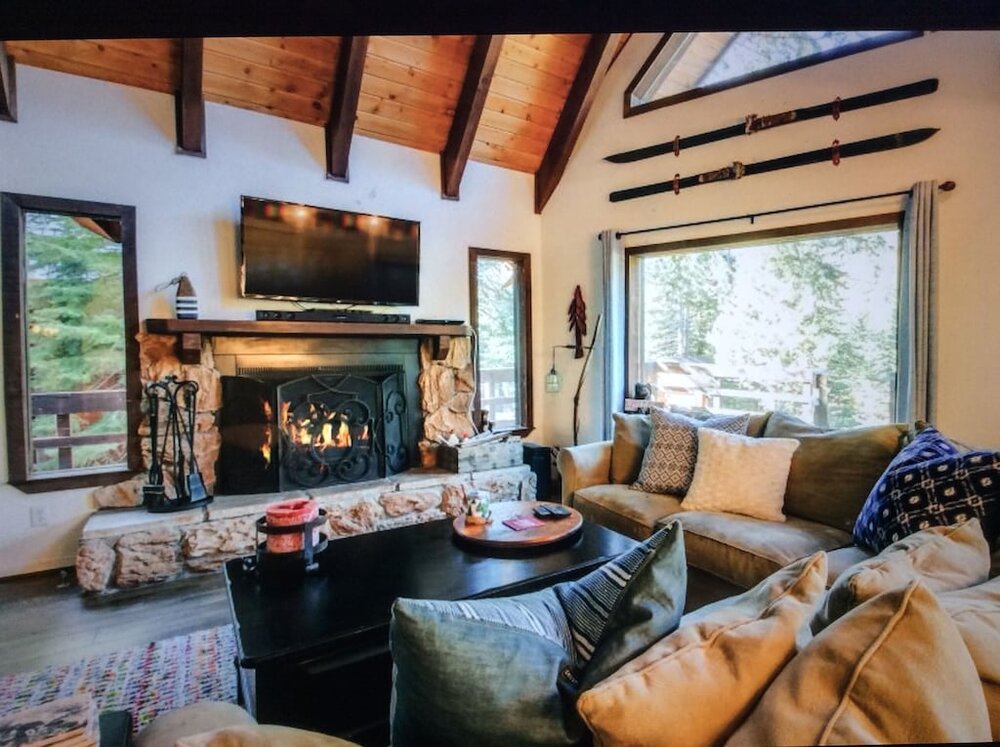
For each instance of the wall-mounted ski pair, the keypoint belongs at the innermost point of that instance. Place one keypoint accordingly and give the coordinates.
(754, 123)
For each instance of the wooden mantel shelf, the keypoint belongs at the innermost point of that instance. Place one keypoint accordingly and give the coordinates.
(190, 331)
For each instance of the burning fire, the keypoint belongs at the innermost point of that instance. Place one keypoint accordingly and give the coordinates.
(265, 448)
(318, 429)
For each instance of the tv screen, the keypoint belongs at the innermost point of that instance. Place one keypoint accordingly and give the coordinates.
(300, 252)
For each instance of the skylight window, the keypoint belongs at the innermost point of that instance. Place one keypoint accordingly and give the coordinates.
(685, 66)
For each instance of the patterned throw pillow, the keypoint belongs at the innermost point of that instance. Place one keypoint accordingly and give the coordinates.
(668, 464)
(508, 670)
(930, 484)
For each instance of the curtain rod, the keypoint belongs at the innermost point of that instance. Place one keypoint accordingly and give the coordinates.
(947, 186)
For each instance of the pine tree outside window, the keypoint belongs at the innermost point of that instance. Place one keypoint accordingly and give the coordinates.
(70, 319)
(803, 322)
(500, 302)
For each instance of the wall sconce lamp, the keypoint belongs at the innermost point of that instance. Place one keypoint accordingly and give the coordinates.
(553, 379)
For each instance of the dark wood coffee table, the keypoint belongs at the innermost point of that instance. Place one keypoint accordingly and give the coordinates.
(314, 651)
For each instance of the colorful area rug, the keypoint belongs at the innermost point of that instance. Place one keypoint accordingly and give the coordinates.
(146, 680)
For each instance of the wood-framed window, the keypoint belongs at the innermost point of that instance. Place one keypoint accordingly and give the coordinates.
(70, 317)
(800, 319)
(685, 66)
(500, 313)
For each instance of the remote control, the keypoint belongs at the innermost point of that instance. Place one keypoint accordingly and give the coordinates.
(558, 512)
(542, 512)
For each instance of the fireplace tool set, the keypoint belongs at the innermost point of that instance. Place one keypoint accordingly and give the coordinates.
(177, 399)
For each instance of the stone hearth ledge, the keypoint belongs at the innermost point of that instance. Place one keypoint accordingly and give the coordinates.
(128, 548)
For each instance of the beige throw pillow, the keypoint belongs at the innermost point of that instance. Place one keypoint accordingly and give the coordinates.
(262, 736)
(894, 670)
(976, 612)
(944, 558)
(740, 474)
(695, 686)
(194, 718)
(669, 462)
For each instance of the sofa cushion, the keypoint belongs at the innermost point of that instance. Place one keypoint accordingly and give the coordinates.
(628, 446)
(783, 425)
(839, 560)
(930, 483)
(755, 426)
(704, 678)
(833, 473)
(744, 550)
(669, 462)
(894, 670)
(976, 612)
(490, 671)
(943, 558)
(619, 507)
(740, 475)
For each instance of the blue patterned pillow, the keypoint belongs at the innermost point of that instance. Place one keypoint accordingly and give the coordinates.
(507, 671)
(929, 483)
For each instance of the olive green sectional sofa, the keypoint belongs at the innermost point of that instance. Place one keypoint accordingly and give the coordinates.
(831, 474)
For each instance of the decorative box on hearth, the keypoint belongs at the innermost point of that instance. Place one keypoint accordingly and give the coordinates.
(484, 456)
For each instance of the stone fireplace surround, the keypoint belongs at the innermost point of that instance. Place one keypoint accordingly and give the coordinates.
(122, 549)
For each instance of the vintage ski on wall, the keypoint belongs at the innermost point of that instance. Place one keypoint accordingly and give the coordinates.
(739, 170)
(753, 123)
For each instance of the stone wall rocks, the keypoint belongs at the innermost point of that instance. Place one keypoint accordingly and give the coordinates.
(127, 549)
(147, 557)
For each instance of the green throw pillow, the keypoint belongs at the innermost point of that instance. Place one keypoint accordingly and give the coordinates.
(507, 671)
(629, 444)
(833, 472)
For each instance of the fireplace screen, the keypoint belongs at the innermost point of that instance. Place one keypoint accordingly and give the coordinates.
(305, 431)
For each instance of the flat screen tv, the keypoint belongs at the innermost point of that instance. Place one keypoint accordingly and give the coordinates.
(305, 253)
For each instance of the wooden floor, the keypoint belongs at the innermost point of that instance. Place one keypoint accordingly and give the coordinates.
(44, 619)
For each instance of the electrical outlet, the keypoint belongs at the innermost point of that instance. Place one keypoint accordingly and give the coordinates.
(38, 516)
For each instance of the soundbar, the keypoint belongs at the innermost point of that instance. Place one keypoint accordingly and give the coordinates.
(331, 315)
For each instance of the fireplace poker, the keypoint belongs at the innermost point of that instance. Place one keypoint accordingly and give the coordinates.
(195, 483)
(153, 491)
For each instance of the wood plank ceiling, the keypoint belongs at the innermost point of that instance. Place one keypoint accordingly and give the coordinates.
(410, 86)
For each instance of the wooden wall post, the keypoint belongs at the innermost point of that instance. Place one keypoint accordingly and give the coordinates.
(189, 101)
(344, 105)
(8, 86)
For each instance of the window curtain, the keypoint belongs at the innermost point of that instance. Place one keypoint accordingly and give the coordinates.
(915, 377)
(614, 326)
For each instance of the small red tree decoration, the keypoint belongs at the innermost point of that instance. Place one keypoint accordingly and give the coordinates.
(578, 321)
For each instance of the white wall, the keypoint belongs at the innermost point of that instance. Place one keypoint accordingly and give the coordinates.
(85, 139)
(967, 150)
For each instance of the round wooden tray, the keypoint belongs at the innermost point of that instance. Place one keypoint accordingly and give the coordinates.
(498, 534)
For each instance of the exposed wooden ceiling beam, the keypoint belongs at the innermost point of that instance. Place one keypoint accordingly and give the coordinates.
(8, 87)
(344, 105)
(468, 111)
(593, 67)
(189, 100)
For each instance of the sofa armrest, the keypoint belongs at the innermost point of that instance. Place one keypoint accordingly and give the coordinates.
(583, 466)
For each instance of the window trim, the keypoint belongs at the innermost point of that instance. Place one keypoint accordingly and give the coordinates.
(842, 225)
(523, 261)
(12, 224)
(631, 110)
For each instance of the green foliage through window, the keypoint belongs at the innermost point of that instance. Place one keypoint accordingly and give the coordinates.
(500, 293)
(74, 301)
(806, 325)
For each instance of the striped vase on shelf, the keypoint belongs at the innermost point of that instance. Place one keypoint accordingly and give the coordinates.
(186, 304)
